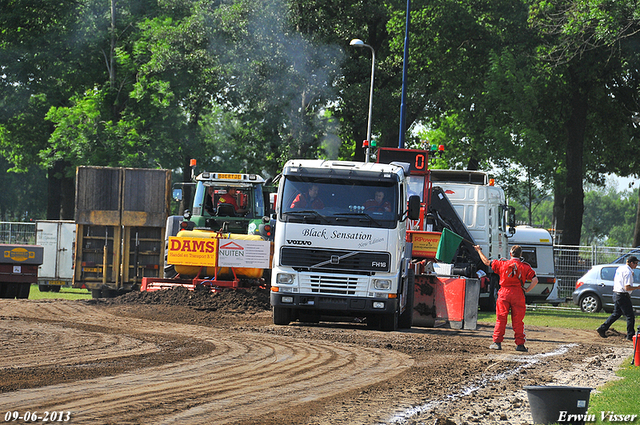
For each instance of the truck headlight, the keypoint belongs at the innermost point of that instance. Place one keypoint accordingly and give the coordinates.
(285, 279)
(382, 284)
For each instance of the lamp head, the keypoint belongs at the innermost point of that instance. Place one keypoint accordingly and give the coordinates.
(357, 42)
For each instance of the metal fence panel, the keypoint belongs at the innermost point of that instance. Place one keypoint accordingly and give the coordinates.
(17, 233)
(572, 262)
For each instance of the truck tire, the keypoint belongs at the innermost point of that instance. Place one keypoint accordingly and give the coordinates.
(44, 288)
(406, 319)
(96, 293)
(389, 322)
(109, 293)
(489, 303)
(172, 229)
(11, 290)
(24, 290)
(281, 315)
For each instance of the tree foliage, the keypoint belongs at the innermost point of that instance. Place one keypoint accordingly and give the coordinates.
(547, 91)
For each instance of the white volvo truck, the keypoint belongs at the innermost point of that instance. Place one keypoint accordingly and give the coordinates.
(337, 256)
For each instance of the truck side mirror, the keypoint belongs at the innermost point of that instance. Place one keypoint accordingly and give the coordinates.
(511, 220)
(177, 195)
(511, 216)
(413, 211)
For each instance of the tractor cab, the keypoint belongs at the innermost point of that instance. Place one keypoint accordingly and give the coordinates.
(228, 202)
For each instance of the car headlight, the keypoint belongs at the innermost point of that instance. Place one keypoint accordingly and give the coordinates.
(382, 284)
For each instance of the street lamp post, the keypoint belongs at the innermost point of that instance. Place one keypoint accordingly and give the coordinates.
(405, 64)
(359, 43)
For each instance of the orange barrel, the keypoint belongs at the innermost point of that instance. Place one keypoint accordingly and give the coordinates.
(210, 270)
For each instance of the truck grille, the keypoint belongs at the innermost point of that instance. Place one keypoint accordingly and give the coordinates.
(333, 284)
(335, 260)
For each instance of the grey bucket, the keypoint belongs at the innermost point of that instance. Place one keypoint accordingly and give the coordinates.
(558, 404)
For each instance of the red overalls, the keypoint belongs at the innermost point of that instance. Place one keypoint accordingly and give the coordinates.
(513, 273)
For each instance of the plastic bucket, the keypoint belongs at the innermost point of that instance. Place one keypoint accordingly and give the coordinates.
(559, 404)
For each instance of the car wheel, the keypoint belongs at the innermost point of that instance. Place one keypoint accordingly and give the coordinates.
(590, 303)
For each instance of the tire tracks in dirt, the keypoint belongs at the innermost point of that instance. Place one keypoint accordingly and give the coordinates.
(265, 372)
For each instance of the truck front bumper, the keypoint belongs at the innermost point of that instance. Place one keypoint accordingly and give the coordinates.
(334, 304)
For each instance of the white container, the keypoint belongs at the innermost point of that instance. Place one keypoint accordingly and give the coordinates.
(58, 239)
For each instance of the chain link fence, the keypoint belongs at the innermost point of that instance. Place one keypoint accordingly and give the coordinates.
(572, 262)
(17, 233)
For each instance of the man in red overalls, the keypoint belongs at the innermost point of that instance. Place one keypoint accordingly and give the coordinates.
(513, 274)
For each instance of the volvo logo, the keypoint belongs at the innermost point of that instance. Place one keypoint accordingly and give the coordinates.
(296, 242)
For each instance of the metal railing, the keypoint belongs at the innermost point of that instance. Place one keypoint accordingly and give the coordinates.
(17, 233)
(572, 262)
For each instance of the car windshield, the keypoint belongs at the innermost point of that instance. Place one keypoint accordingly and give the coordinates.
(341, 202)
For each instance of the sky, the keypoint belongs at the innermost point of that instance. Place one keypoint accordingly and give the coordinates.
(623, 182)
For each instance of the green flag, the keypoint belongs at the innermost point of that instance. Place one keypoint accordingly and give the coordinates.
(449, 242)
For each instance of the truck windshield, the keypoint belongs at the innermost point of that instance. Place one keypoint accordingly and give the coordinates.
(247, 197)
(340, 202)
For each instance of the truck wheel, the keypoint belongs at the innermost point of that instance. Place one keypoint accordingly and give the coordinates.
(11, 290)
(281, 315)
(3, 289)
(44, 288)
(172, 229)
(406, 319)
(55, 288)
(96, 293)
(24, 290)
(170, 271)
(489, 303)
(109, 293)
(389, 322)
(373, 321)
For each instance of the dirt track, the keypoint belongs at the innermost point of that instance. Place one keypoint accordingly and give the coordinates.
(194, 358)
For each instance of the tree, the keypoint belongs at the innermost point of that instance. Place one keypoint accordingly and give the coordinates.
(586, 45)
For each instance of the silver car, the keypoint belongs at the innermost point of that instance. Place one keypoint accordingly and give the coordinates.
(594, 290)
